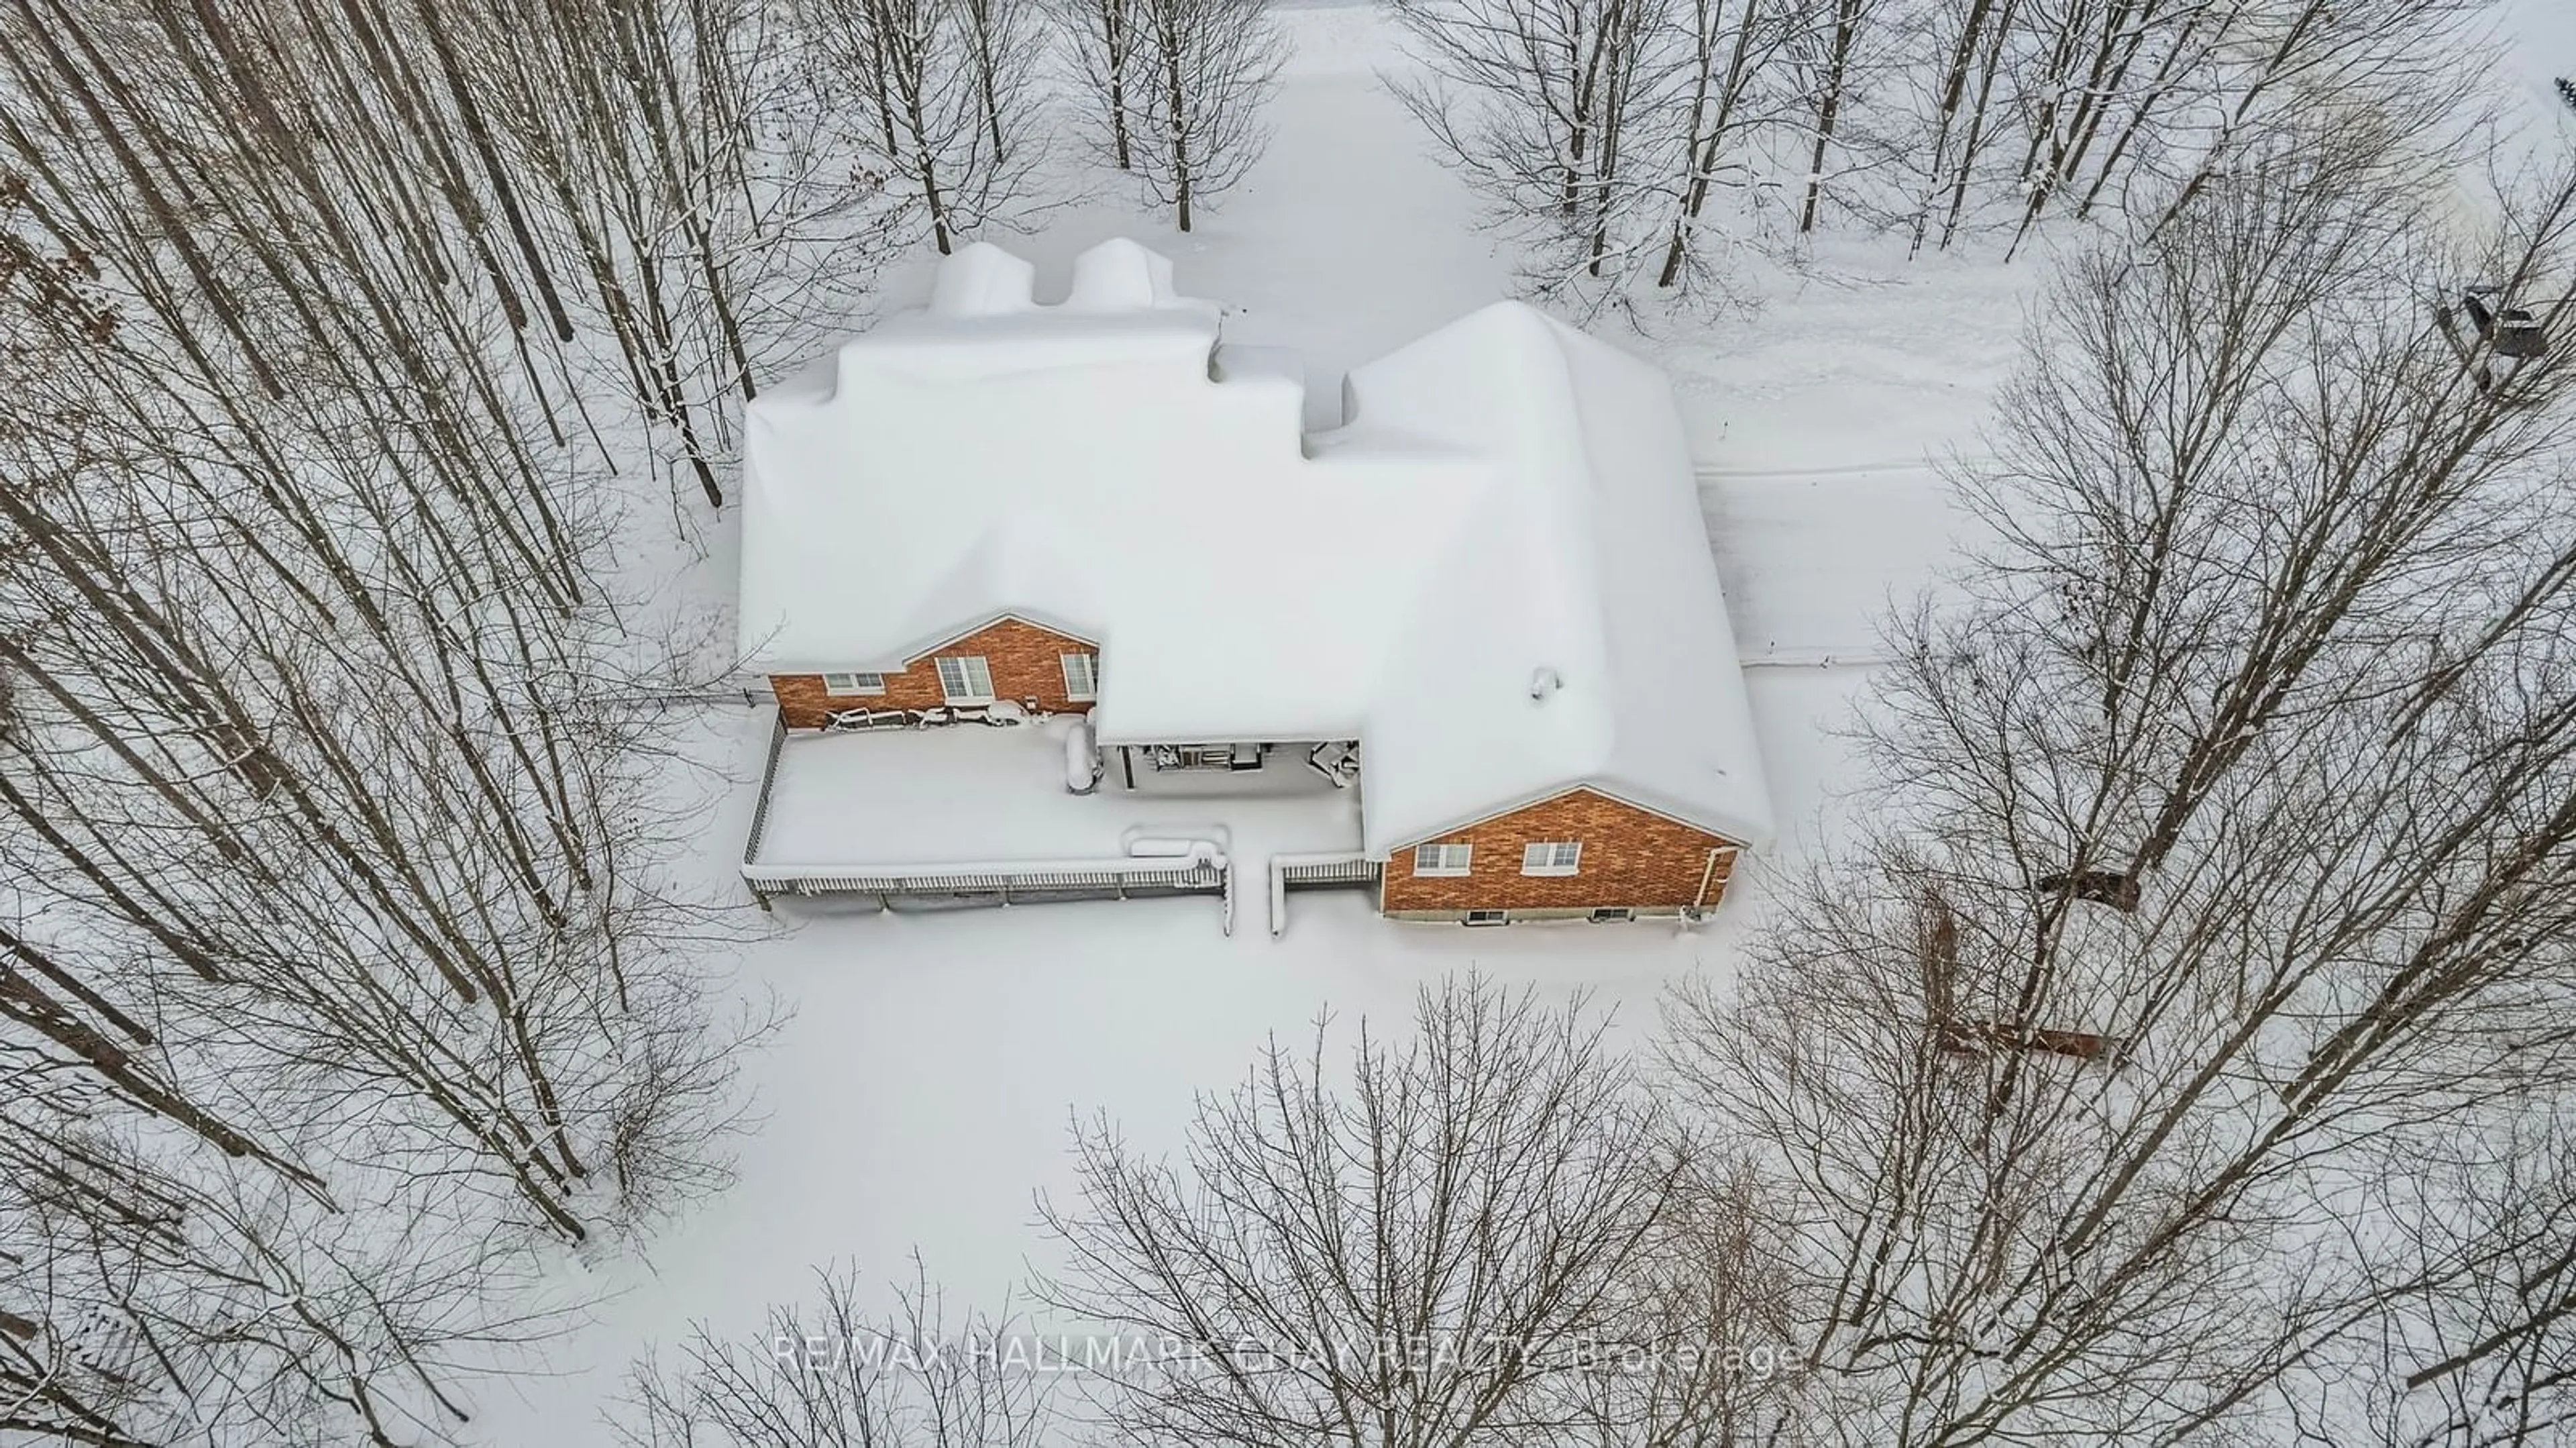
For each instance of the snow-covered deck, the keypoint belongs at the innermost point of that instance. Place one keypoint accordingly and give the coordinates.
(962, 809)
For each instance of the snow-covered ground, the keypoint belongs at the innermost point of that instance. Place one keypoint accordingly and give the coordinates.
(920, 1095)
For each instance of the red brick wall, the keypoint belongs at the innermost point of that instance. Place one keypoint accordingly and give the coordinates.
(1630, 858)
(1026, 661)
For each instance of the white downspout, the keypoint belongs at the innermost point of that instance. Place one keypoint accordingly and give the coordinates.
(1707, 873)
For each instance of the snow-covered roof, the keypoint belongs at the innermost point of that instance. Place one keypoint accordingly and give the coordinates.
(1507, 511)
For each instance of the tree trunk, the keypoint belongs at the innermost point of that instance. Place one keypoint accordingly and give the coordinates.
(1829, 107)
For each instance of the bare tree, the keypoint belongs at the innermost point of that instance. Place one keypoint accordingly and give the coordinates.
(1834, 63)
(1438, 1252)
(1707, 1352)
(2144, 102)
(2269, 67)
(334, 966)
(2213, 922)
(844, 1377)
(1563, 117)
(1730, 101)
(675, 156)
(1174, 90)
(1629, 144)
(1973, 37)
(152, 1301)
(948, 83)
(1991, 114)
(1104, 47)
(1205, 70)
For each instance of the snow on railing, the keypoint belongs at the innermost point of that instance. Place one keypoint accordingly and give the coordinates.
(1202, 871)
(1104, 865)
(1309, 871)
(768, 779)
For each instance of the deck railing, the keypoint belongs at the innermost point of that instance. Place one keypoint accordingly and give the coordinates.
(760, 805)
(1344, 869)
(1203, 869)
(997, 883)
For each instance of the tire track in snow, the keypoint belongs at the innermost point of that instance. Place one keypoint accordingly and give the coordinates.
(1844, 470)
(1810, 566)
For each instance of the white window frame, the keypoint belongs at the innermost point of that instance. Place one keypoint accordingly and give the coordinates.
(959, 676)
(1443, 861)
(1552, 857)
(847, 686)
(1089, 664)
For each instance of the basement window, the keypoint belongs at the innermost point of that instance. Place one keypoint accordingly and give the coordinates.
(1551, 857)
(1081, 675)
(845, 685)
(965, 679)
(1488, 917)
(1437, 860)
(1609, 913)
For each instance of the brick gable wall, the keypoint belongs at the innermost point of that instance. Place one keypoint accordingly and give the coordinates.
(1026, 660)
(1631, 858)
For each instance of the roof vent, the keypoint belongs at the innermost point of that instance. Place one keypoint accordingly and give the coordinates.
(1545, 681)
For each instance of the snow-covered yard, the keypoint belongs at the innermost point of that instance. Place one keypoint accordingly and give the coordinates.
(921, 1094)
(405, 407)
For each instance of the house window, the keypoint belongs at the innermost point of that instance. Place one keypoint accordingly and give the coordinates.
(966, 679)
(848, 684)
(1488, 917)
(1081, 675)
(1551, 857)
(1609, 913)
(1441, 859)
